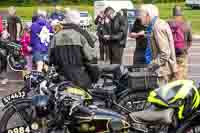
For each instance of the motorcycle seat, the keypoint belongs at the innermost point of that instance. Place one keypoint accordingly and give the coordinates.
(150, 117)
(105, 68)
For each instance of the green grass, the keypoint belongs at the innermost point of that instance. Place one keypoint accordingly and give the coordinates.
(165, 12)
(191, 15)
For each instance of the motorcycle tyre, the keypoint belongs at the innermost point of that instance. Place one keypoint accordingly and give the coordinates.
(9, 113)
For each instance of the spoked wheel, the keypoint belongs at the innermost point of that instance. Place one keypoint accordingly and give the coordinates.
(133, 102)
(20, 118)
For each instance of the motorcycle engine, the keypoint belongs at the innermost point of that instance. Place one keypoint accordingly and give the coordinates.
(43, 105)
(86, 127)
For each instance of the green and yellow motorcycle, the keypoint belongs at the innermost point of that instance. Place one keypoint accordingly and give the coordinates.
(174, 108)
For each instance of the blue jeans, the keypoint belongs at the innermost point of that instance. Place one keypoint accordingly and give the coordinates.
(39, 56)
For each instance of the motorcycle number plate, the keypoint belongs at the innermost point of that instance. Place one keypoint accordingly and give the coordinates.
(14, 96)
(20, 129)
(23, 129)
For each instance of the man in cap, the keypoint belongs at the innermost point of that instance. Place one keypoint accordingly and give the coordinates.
(71, 51)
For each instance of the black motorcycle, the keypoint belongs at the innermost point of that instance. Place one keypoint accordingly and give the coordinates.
(10, 54)
(122, 88)
(110, 89)
(57, 109)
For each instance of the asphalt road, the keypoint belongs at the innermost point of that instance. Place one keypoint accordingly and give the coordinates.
(194, 65)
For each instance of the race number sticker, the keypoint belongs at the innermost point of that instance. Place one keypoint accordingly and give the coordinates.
(16, 95)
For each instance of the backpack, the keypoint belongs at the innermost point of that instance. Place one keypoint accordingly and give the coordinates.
(178, 33)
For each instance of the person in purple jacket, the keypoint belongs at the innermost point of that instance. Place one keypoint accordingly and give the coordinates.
(40, 39)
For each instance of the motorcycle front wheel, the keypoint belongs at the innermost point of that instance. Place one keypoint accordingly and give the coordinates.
(21, 118)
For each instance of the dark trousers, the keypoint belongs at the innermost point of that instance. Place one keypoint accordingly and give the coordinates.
(78, 75)
(104, 50)
(138, 57)
(116, 54)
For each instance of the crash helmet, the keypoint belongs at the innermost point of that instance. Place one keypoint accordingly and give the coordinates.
(182, 95)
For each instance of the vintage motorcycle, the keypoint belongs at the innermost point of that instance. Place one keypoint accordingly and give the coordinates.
(10, 54)
(109, 89)
(58, 108)
(174, 109)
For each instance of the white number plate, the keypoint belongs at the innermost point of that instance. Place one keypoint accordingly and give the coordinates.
(16, 95)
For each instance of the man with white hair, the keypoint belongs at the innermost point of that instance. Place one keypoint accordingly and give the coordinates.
(160, 45)
(40, 39)
(70, 51)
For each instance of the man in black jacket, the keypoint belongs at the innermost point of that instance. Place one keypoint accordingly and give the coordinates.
(70, 50)
(118, 37)
(137, 32)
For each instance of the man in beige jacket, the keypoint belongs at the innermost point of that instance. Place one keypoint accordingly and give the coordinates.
(162, 44)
